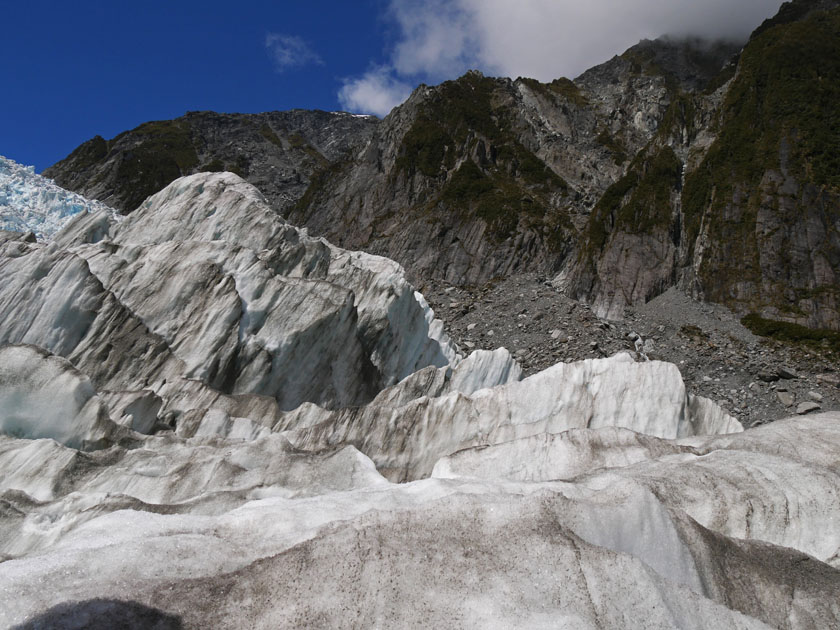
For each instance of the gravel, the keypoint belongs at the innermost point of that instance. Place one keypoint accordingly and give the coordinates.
(717, 356)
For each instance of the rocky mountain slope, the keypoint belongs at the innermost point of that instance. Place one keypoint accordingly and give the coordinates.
(739, 207)
(678, 163)
(480, 178)
(276, 151)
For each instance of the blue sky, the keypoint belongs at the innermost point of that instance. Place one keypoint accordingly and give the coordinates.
(72, 70)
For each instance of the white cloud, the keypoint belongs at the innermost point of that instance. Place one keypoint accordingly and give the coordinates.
(544, 39)
(289, 51)
(377, 92)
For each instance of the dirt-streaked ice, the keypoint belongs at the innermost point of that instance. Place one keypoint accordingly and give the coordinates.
(206, 427)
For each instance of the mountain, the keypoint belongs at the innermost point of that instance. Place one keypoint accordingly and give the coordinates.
(678, 163)
(737, 202)
(276, 151)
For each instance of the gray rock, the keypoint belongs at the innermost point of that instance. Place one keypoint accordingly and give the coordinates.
(786, 398)
(807, 407)
(768, 377)
(787, 372)
(278, 152)
(815, 396)
(829, 379)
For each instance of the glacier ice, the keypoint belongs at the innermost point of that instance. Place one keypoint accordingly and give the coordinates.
(32, 203)
(44, 396)
(204, 411)
(406, 434)
(160, 299)
(663, 539)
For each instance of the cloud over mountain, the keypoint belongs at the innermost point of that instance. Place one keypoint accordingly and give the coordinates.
(377, 92)
(544, 39)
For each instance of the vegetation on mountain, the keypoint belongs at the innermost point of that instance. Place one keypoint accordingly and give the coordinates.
(163, 153)
(780, 115)
(496, 179)
(89, 153)
(792, 333)
(640, 202)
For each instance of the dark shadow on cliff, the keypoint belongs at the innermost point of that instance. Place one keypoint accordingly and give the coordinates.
(102, 614)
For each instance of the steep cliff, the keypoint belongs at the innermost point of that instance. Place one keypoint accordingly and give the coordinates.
(480, 177)
(753, 223)
(450, 184)
(762, 210)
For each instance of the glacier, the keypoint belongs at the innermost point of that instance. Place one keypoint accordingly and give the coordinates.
(209, 417)
(32, 203)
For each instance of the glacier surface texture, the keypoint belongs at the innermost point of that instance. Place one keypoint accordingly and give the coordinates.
(209, 418)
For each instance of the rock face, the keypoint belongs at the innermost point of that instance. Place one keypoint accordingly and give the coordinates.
(780, 207)
(479, 178)
(735, 199)
(276, 151)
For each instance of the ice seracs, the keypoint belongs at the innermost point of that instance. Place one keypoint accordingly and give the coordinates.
(406, 434)
(32, 203)
(205, 283)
